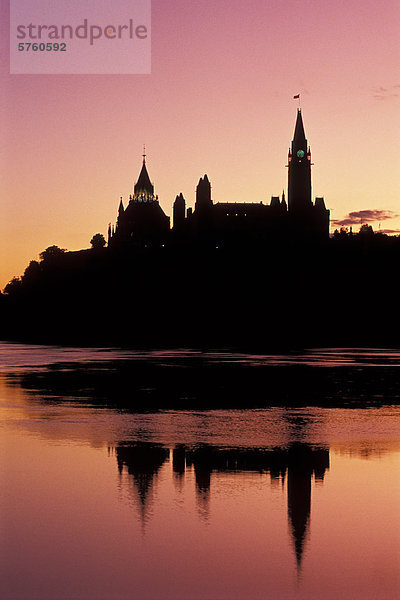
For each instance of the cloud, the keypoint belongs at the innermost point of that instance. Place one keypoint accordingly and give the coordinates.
(383, 93)
(390, 231)
(359, 217)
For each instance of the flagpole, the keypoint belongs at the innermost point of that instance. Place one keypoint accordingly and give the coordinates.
(297, 96)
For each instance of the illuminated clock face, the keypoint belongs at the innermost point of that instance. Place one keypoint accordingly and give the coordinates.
(300, 153)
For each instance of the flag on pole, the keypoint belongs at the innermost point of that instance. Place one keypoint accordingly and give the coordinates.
(297, 96)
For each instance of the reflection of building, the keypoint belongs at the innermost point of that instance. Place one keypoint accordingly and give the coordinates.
(300, 462)
(202, 462)
(142, 462)
(226, 224)
(303, 462)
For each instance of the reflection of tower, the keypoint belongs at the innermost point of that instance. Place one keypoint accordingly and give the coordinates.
(179, 465)
(299, 504)
(142, 462)
(202, 459)
(302, 462)
(179, 460)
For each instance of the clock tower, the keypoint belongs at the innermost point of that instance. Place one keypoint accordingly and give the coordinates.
(299, 176)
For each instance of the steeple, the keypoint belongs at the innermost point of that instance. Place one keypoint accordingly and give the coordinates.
(299, 175)
(143, 184)
(299, 138)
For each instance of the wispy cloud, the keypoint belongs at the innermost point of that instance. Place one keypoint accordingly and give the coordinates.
(359, 217)
(383, 93)
(390, 231)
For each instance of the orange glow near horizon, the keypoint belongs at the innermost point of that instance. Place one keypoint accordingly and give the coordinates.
(219, 101)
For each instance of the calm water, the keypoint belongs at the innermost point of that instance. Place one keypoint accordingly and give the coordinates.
(107, 496)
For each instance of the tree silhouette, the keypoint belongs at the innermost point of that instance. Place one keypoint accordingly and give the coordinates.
(98, 241)
(51, 254)
(13, 287)
(366, 230)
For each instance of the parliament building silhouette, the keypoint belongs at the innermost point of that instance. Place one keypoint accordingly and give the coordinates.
(226, 273)
(143, 223)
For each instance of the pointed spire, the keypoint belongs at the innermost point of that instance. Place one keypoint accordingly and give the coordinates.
(121, 207)
(299, 138)
(299, 173)
(283, 203)
(144, 184)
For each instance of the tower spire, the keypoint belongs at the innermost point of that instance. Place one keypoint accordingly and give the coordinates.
(299, 175)
(299, 138)
(143, 184)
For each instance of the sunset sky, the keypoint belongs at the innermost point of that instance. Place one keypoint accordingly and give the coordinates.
(219, 100)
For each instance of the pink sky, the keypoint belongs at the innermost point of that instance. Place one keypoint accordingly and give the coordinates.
(218, 101)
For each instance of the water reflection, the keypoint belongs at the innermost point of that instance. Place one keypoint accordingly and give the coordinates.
(303, 463)
(142, 463)
(160, 380)
(298, 464)
(230, 502)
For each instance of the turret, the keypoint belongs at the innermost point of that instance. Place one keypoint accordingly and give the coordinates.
(179, 211)
(322, 215)
(275, 203)
(320, 204)
(203, 195)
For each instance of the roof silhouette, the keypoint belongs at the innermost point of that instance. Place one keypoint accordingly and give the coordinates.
(144, 184)
(299, 137)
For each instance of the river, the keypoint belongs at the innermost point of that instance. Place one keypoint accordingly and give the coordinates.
(199, 475)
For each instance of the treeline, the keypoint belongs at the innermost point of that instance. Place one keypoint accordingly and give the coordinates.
(340, 292)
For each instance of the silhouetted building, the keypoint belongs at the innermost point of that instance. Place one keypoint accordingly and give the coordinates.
(143, 222)
(229, 224)
(226, 224)
(306, 217)
(179, 212)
